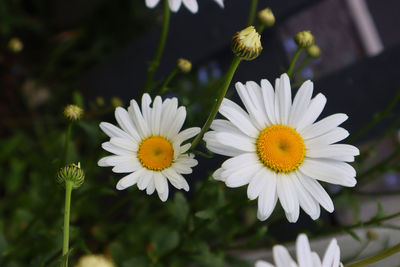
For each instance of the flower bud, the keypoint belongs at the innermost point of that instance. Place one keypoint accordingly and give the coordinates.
(15, 45)
(266, 17)
(116, 102)
(100, 101)
(92, 260)
(184, 65)
(304, 39)
(73, 112)
(313, 51)
(73, 173)
(372, 235)
(246, 44)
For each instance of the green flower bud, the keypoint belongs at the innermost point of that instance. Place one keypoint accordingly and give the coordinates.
(246, 44)
(313, 51)
(100, 101)
(116, 102)
(73, 112)
(266, 17)
(304, 39)
(184, 65)
(73, 173)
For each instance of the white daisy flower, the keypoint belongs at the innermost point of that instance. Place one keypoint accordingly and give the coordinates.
(279, 151)
(305, 257)
(174, 5)
(149, 146)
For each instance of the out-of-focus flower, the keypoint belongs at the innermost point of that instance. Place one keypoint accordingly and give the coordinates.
(116, 102)
(184, 65)
(15, 45)
(304, 39)
(313, 51)
(73, 112)
(93, 260)
(279, 150)
(305, 257)
(246, 44)
(150, 146)
(266, 17)
(174, 5)
(100, 101)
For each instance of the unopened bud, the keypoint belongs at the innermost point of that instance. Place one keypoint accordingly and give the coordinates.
(304, 39)
(72, 173)
(73, 112)
(116, 102)
(184, 65)
(15, 45)
(266, 17)
(246, 44)
(313, 51)
(372, 235)
(93, 260)
(100, 101)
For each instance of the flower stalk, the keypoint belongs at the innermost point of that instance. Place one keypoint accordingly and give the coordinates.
(375, 258)
(66, 143)
(164, 86)
(153, 65)
(252, 12)
(295, 57)
(67, 209)
(224, 88)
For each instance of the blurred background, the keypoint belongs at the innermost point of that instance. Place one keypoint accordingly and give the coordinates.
(94, 53)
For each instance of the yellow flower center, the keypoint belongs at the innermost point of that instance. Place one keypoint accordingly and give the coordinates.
(155, 153)
(280, 148)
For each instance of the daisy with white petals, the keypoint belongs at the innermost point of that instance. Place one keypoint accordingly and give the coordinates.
(305, 257)
(149, 146)
(279, 150)
(174, 5)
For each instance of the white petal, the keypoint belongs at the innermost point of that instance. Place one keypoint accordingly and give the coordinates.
(284, 98)
(240, 176)
(263, 264)
(176, 179)
(191, 5)
(238, 117)
(144, 180)
(130, 165)
(112, 160)
(113, 131)
(225, 126)
(151, 187)
(155, 120)
(236, 141)
(334, 150)
(303, 251)
(269, 100)
(217, 175)
(161, 186)
(300, 103)
(333, 136)
(124, 143)
(174, 5)
(332, 255)
(213, 145)
(240, 161)
(306, 201)
(282, 257)
(329, 171)
(323, 126)
(220, 2)
(173, 129)
(316, 260)
(257, 185)
(185, 135)
(115, 149)
(137, 117)
(317, 191)
(169, 109)
(125, 123)
(151, 3)
(146, 110)
(268, 196)
(130, 179)
(315, 108)
(288, 196)
(184, 149)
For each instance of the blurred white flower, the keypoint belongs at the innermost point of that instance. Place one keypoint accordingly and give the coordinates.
(174, 5)
(279, 151)
(149, 146)
(305, 257)
(93, 260)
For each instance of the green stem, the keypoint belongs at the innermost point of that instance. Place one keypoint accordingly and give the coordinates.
(167, 81)
(260, 28)
(224, 88)
(160, 49)
(252, 12)
(66, 144)
(302, 65)
(295, 57)
(68, 191)
(378, 257)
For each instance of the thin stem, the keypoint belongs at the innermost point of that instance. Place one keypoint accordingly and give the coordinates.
(224, 88)
(302, 65)
(260, 28)
(151, 71)
(295, 57)
(163, 88)
(68, 191)
(252, 12)
(378, 257)
(66, 144)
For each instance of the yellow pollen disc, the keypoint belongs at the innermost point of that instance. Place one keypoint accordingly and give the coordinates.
(155, 153)
(280, 148)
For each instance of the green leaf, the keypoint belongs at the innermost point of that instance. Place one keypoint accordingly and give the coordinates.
(164, 240)
(205, 214)
(179, 209)
(353, 234)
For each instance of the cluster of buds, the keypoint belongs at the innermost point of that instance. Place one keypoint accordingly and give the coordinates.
(246, 44)
(71, 173)
(73, 112)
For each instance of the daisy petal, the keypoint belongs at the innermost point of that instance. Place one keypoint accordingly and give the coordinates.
(161, 186)
(333, 136)
(284, 98)
(113, 131)
(174, 5)
(323, 126)
(282, 257)
(288, 196)
(125, 122)
(236, 141)
(303, 251)
(267, 197)
(306, 201)
(315, 108)
(191, 5)
(335, 150)
(317, 191)
(151, 3)
(269, 100)
(130, 179)
(300, 103)
(263, 264)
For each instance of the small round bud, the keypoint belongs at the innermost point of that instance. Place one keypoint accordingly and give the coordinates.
(372, 235)
(73, 112)
(266, 17)
(304, 39)
(72, 173)
(93, 260)
(100, 101)
(184, 65)
(15, 45)
(116, 102)
(313, 51)
(246, 44)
